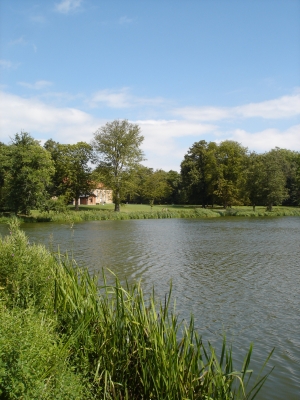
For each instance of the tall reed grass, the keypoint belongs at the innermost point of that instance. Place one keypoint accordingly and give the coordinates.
(110, 341)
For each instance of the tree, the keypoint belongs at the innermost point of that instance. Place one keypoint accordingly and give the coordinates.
(3, 167)
(28, 173)
(54, 188)
(198, 172)
(291, 169)
(174, 181)
(253, 188)
(117, 145)
(274, 180)
(155, 186)
(73, 170)
(231, 166)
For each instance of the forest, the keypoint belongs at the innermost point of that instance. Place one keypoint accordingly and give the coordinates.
(225, 174)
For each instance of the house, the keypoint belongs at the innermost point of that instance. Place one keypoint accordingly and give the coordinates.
(100, 195)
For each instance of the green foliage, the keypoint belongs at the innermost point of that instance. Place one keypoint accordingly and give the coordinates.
(175, 184)
(73, 169)
(231, 160)
(155, 186)
(33, 360)
(3, 165)
(28, 170)
(57, 205)
(75, 339)
(228, 175)
(199, 173)
(118, 148)
(211, 173)
(20, 284)
(274, 180)
(133, 348)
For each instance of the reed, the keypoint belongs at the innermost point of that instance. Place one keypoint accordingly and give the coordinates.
(119, 343)
(133, 348)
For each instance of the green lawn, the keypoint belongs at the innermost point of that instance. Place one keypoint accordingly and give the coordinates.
(133, 207)
(144, 211)
(128, 208)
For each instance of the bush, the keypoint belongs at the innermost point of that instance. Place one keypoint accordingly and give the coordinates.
(26, 271)
(33, 361)
(58, 205)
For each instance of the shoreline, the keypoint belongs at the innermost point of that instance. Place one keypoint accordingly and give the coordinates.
(102, 215)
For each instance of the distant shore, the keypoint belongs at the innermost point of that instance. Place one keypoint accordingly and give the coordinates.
(141, 211)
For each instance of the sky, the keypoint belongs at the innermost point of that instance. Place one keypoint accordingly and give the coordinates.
(183, 70)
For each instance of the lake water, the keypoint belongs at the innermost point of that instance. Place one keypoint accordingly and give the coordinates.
(237, 276)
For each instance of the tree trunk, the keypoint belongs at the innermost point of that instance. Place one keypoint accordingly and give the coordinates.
(269, 207)
(77, 204)
(117, 202)
(253, 207)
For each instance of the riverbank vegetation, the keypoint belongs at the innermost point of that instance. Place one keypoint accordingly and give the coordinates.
(50, 177)
(142, 211)
(65, 334)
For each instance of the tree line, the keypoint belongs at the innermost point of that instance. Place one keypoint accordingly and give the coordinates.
(50, 176)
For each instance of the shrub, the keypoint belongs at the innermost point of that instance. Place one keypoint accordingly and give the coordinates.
(33, 361)
(26, 271)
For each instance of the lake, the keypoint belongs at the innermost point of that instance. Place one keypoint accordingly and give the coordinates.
(238, 276)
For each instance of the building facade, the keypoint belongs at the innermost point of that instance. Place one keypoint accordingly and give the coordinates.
(100, 195)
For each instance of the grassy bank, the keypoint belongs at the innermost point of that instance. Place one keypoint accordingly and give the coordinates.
(64, 335)
(140, 211)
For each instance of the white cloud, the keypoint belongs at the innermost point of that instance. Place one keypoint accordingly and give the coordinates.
(161, 140)
(125, 20)
(110, 98)
(268, 139)
(38, 85)
(67, 6)
(38, 18)
(20, 41)
(122, 99)
(5, 64)
(66, 125)
(203, 113)
(283, 107)
(166, 140)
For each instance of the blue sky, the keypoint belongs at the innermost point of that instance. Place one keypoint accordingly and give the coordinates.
(183, 70)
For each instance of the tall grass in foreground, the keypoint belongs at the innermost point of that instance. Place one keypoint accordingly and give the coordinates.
(104, 341)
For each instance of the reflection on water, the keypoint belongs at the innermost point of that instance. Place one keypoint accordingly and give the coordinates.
(239, 276)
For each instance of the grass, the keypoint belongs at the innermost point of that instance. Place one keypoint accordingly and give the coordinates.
(69, 335)
(142, 211)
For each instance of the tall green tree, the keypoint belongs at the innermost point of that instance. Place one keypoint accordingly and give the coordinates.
(156, 187)
(117, 145)
(55, 189)
(174, 181)
(291, 169)
(274, 189)
(231, 160)
(3, 166)
(199, 172)
(253, 185)
(28, 173)
(73, 170)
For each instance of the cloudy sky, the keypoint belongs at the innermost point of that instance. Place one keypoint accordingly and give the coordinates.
(184, 70)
